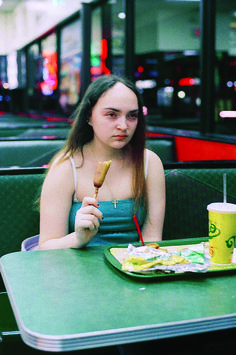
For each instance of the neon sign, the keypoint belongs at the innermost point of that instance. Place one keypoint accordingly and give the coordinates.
(103, 68)
(50, 81)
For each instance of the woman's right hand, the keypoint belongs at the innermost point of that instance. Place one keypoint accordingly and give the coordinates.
(87, 221)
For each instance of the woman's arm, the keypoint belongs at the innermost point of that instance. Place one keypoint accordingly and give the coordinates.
(153, 226)
(55, 204)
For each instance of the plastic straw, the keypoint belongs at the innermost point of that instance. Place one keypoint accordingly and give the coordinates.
(138, 229)
(225, 187)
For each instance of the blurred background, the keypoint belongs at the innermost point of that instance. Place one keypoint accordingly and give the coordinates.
(180, 53)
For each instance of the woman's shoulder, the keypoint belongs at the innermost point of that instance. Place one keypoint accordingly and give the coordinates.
(60, 170)
(154, 163)
(152, 157)
(58, 181)
(60, 162)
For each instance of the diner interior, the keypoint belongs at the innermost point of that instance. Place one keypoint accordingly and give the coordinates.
(181, 55)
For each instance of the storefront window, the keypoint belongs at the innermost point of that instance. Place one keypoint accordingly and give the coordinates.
(49, 82)
(34, 78)
(4, 86)
(70, 62)
(96, 44)
(118, 38)
(225, 73)
(108, 36)
(167, 48)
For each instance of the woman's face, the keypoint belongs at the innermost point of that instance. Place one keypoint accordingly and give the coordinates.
(115, 116)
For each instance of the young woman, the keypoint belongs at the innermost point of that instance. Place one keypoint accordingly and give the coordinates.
(109, 125)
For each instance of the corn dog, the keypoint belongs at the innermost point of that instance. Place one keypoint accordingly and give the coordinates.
(100, 174)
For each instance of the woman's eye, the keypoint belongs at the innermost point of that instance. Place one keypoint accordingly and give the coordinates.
(111, 114)
(133, 116)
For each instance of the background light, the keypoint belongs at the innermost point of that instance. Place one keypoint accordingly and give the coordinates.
(121, 15)
(181, 94)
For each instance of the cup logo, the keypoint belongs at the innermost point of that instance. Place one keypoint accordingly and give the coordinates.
(211, 251)
(230, 242)
(213, 231)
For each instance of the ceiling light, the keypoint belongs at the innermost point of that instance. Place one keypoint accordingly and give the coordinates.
(121, 15)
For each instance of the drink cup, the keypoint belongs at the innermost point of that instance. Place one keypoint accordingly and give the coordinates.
(222, 231)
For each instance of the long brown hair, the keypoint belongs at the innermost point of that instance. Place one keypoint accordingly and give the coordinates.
(82, 133)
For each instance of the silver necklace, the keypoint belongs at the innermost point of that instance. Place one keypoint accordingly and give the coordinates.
(114, 200)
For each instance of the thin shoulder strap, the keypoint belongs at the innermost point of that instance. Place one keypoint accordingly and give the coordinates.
(75, 177)
(146, 164)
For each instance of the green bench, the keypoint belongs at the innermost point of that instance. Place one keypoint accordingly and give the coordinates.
(57, 132)
(164, 147)
(28, 153)
(188, 192)
(12, 132)
(189, 189)
(38, 152)
(19, 189)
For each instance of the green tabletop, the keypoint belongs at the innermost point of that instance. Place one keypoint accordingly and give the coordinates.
(73, 299)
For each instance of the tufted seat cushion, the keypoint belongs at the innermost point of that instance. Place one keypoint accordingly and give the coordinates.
(188, 192)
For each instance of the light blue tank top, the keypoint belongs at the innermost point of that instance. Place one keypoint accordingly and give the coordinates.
(117, 226)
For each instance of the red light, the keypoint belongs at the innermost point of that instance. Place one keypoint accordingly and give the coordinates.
(50, 72)
(197, 32)
(140, 69)
(102, 69)
(103, 49)
(95, 70)
(103, 56)
(186, 82)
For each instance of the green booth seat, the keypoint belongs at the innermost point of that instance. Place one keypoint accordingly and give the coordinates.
(188, 192)
(57, 132)
(28, 153)
(164, 147)
(19, 211)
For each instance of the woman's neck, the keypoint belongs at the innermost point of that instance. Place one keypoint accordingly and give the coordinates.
(102, 153)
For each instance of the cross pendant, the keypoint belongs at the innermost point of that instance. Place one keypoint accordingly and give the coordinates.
(115, 203)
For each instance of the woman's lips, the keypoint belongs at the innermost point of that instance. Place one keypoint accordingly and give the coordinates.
(121, 136)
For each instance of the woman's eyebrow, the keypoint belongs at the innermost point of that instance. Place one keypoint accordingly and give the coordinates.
(111, 108)
(134, 111)
(117, 110)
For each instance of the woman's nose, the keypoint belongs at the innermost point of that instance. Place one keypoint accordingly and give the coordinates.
(122, 122)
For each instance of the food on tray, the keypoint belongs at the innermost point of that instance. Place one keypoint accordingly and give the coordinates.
(153, 245)
(146, 259)
(100, 174)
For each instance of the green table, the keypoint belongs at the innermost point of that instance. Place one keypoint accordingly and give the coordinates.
(72, 299)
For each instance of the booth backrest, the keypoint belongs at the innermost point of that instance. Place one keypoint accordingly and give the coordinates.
(164, 147)
(58, 132)
(188, 192)
(19, 216)
(28, 153)
(38, 152)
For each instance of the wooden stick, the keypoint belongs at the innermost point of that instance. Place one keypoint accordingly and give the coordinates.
(96, 192)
